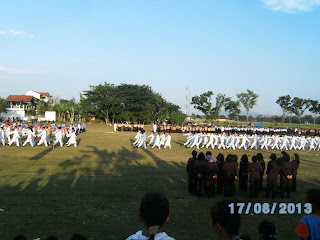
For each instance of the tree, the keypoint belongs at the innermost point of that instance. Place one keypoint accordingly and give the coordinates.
(203, 104)
(3, 105)
(100, 99)
(42, 107)
(248, 100)
(314, 109)
(233, 108)
(220, 101)
(177, 117)
(285, 104)
(298, 107)
(126, 102)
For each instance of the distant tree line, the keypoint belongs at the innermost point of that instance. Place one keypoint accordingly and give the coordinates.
(297, 107)
(293, 108)
(232, 107)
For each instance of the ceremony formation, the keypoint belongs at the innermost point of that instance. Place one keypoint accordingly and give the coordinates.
(160, 120)
(14, 134)
(253, 141)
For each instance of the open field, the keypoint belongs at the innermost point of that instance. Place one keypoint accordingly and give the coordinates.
(96, 189)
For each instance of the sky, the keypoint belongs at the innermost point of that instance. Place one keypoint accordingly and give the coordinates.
(63, 47)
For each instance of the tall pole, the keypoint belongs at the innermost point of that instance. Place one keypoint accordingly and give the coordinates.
(187, 100)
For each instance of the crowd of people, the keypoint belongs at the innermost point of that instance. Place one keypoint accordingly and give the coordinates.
(236, 140)
(156, 140)
(23, 134)
(207, 177)
(244, 129)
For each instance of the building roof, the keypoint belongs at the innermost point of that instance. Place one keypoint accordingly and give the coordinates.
(45, 94)
(19, 98)
(42, 93)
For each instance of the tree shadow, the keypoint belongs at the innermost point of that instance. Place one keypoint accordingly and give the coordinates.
(98, 193)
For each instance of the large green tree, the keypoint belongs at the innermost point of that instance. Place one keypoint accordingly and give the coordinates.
(100, 99)
(298, 107)
(221, 99)
(285, 104)
(248, 100)
(314, 109)
(203, 104)
(233, 108)
(127, 102)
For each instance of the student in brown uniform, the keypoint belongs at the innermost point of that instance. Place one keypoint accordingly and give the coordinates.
(243, 173)
(255, 170)
(199, 173)
(230, 173)
(296, 163)
(220, 174)
(190, 170)
(263, 165)
(211, 176)
(235, 165)
(287, 172)
(273, 170)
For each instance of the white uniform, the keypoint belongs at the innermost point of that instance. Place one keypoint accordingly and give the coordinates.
(15, 137)
(168, 142)
(30, 138)
(157, 142)
(2, 137)
(43, 138)
(152, 139)
(72, 139)
(58, 136)
(159, 236)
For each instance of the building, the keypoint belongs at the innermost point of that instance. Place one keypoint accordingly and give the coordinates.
(44, 96)
(21, 105)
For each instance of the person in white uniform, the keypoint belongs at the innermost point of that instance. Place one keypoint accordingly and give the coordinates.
(58, 136)
(72, 139)
(154, 212)
(2, 136)
(152, 138)
(168, 141)
(30, 138)
(157, 142)
(15, 137)
(43, 138)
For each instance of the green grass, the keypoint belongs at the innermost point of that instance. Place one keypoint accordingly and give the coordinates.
(96, 189)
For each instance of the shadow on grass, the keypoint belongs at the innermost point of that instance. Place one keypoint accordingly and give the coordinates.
(98, 194)
(89, 194)
(42, 154)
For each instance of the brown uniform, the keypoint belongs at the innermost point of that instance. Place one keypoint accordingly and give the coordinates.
(255, 170)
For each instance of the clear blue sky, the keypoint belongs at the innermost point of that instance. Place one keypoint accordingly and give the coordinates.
(268, 46)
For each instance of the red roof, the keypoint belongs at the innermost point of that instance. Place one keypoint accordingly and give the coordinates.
(23, 98)
(44, 94)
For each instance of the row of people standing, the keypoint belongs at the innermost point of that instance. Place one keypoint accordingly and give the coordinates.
(207, 177)
(156, 140)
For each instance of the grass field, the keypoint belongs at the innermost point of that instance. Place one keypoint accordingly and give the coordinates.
(96, 189)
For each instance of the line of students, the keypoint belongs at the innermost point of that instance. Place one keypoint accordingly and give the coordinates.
(253, 141)
(156, 140)
(207, 177)
(19, 132)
